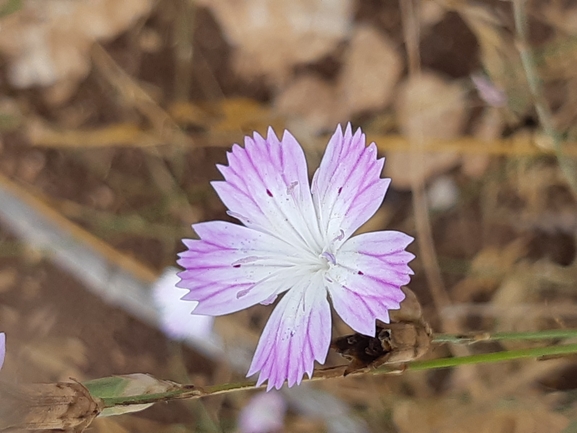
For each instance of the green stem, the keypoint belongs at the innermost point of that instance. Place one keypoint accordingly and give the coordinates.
(189, 391)
(486, 358)
(530, 68)
(567, 165)
(501, 336)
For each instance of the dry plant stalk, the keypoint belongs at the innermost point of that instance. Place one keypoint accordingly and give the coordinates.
(66, 406)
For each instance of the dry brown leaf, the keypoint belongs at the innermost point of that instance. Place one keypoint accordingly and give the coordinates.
(449, 415)
(108, 425)
(562, 17)
(60, 358)
(11, 116)
(372, 67)
(243, 115)
(428, 107)
(187, 113)
(272, 36)
(47, 43)
(7, 279)
(488, 269)
(488, 129)
(431, 13)
(520, 287)
(312, 100)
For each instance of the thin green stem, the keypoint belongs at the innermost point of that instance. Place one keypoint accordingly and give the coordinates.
(567, 165)
(486, 358)
(501, 336)
(528, 61)
(190, 391)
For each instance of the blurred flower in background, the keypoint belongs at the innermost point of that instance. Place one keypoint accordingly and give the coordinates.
(297, 240)
(488, 91)
(2, 348)
(264, 413)
(176, 319)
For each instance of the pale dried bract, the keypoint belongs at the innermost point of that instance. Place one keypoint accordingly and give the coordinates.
(64, 406)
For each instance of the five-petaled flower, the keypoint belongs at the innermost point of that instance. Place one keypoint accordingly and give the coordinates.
(297, 239)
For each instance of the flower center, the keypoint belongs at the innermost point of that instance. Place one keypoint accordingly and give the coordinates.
(329, 257)
(329, 261)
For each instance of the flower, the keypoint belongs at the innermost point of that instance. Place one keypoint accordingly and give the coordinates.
(2, 348)
(175, 318)
(264, 413)
(489, 92)
(297, 241)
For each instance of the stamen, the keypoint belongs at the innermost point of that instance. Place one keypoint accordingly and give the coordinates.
(340, 237)
(242, 293)
(244, 261)
(291, 187)
(329, 257)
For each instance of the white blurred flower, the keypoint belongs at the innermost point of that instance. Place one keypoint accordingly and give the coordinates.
(442, 194)
(177, 321)
(264, 413)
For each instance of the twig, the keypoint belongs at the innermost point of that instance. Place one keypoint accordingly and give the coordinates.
(190, 391)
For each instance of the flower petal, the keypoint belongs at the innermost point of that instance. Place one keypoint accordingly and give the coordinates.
(297, 333)
(233, 267)
(2, 348)
(267, 188)
(366, 282)
(347, 188)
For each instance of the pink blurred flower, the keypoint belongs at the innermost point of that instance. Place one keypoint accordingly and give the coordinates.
(297, 239)
(264, 413)
(488, 91)
(2, 348)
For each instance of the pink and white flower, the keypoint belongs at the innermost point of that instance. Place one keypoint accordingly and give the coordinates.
(297, 239)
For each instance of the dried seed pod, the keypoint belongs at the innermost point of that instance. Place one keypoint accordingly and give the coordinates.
(66, 406)
(405, 339)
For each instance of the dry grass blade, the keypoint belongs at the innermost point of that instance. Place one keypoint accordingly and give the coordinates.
(135, 96)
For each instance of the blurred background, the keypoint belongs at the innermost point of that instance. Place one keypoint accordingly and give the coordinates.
(114, 114)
